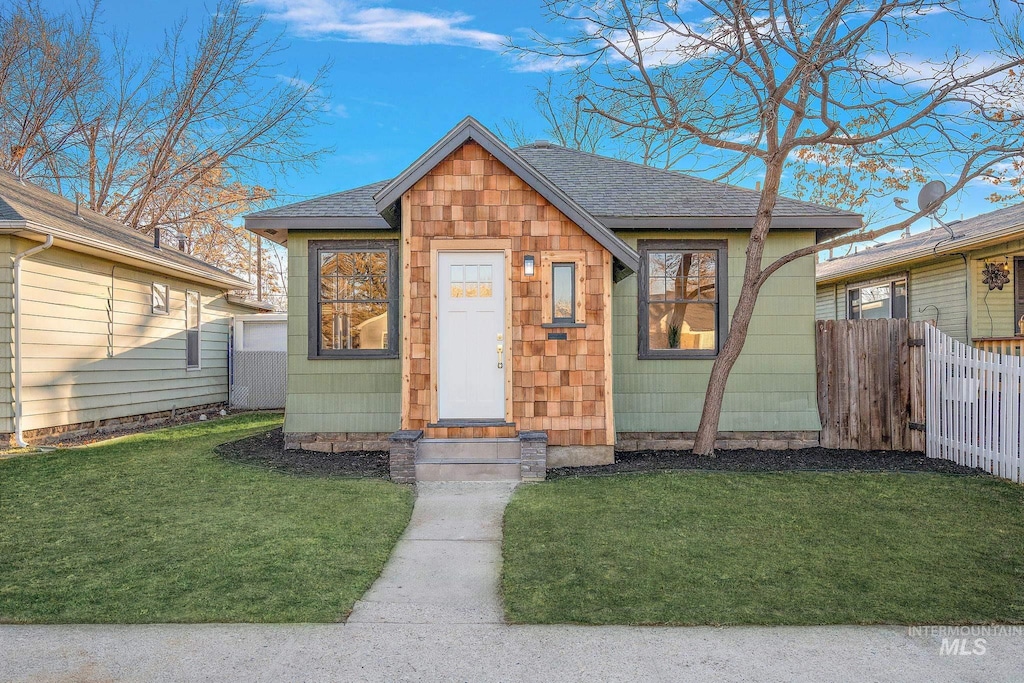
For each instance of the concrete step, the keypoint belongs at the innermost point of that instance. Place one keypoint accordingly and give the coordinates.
(468, 450)
(445, 469)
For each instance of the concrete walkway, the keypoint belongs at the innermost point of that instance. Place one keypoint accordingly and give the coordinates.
(446, 567)
(435, 614)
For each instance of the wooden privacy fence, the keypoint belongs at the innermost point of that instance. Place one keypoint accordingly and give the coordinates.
(975, 409)
(871, 390)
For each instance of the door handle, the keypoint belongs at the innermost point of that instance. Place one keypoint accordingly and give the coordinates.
(501, 356)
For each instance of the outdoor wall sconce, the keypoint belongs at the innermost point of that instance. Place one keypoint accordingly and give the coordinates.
(528, 266)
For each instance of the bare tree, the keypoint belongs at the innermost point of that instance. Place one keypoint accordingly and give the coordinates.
(45, 61)
(749, 83)
(178, 140)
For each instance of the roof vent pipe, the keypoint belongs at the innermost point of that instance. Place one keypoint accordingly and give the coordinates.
(156, 238)
(181, 243)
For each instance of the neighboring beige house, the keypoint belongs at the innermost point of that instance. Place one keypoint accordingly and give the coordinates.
(970, 282)
(98, 326)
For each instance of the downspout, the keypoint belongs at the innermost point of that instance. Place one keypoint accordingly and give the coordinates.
(18, 258)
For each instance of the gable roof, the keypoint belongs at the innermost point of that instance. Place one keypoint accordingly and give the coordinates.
(470, 129)
(27, 209)
(606, 194)
(988, 228)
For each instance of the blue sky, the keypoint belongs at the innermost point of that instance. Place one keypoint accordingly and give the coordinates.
(404, 73)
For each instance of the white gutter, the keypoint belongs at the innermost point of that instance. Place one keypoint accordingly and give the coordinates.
(18, 258)
(109, 247)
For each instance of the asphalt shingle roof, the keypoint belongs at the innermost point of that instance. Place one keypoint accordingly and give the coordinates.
(603, 186)
(612, 187)
(920, 244)
(23, 201)
(354, 203)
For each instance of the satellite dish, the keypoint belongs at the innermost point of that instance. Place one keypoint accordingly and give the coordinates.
(929, 199)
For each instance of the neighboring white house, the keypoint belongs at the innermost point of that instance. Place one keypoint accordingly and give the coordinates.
(99, 326)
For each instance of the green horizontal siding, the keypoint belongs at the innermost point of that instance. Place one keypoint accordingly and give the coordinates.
(334, 395)
(93, 349)
(937, 290)
(993, 310)
(830, 304)
(773, 384)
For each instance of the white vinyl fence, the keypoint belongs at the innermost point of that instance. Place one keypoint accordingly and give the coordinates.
(974, 406)
(259, 362)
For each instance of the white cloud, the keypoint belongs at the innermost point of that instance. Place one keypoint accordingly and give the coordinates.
(327, 107)
(295, 82)
(354, 21)
(545, 64)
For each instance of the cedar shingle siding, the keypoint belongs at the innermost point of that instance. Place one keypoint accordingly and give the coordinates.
(558, 386)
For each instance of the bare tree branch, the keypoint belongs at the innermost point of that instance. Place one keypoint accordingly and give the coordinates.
(746, 87)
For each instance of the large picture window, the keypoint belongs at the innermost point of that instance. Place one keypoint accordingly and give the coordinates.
(877, 300)
(353, 295)
(682, 298)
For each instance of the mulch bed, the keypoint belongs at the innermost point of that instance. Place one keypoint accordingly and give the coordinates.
(267, 450)
(749, 460)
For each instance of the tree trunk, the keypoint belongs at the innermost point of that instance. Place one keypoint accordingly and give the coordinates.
(707, 431)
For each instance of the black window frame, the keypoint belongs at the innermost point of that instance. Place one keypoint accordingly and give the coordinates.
(721, 247)
(571, 319)
(891, 282)
(315, 249)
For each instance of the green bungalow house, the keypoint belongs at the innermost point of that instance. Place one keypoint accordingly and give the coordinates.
(491, 311)
(969, 279)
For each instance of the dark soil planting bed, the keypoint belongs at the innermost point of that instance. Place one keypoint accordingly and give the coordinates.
(267, 450)
(750, 460)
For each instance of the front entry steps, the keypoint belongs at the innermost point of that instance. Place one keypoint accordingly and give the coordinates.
(468, 460)
(414, 458)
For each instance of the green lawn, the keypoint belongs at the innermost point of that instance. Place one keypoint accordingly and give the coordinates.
(787, 548)
(157, 528)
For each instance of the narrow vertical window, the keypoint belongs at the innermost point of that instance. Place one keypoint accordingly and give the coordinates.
(563, 293)
(564, 285)
(160, 299)
(193, 322)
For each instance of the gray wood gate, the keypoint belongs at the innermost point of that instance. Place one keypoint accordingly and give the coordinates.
(871, 393)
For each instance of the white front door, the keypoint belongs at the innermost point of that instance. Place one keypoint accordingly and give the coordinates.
(470, 331)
